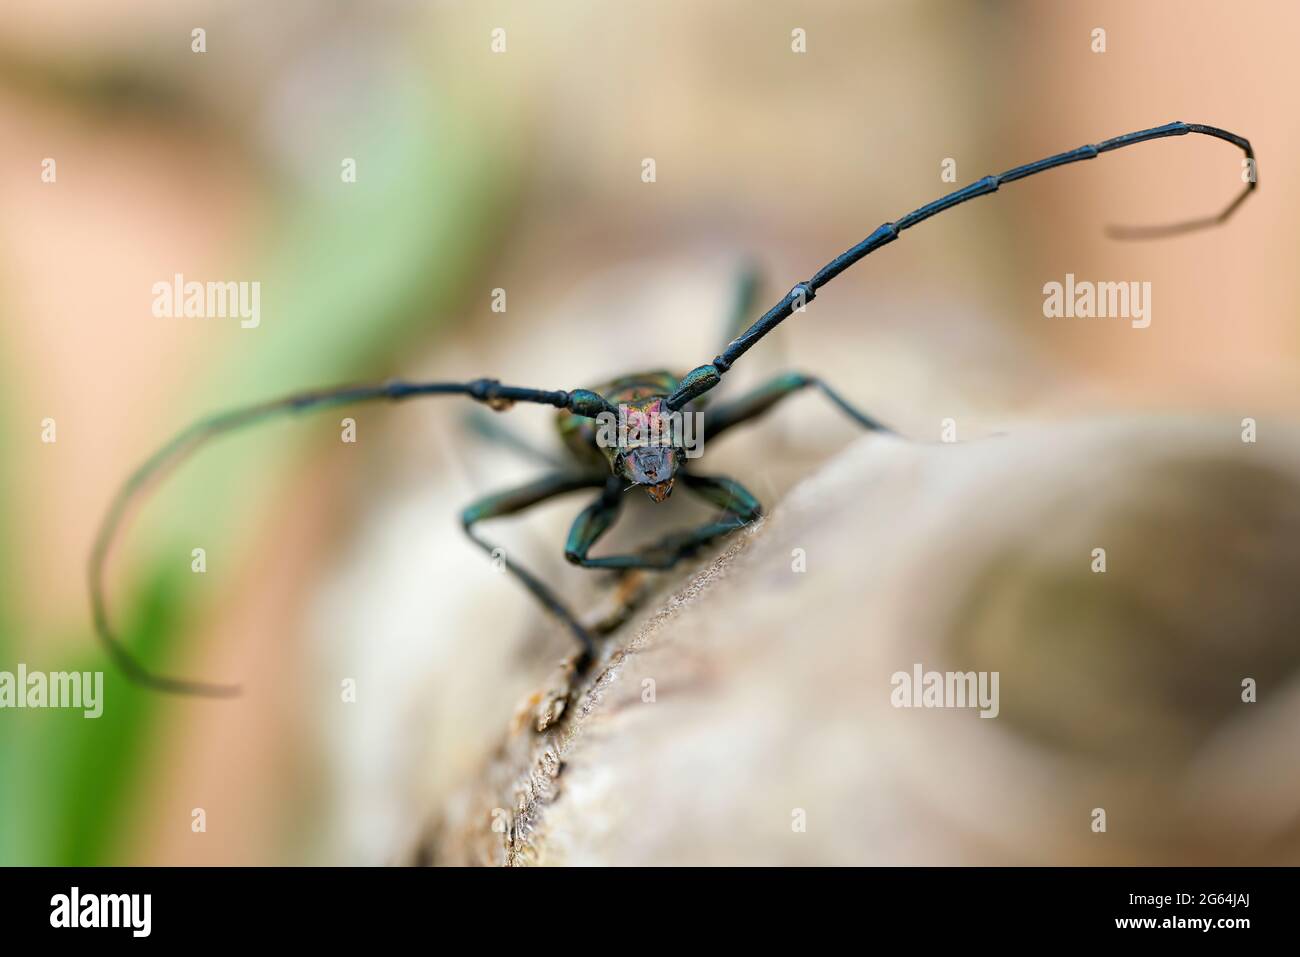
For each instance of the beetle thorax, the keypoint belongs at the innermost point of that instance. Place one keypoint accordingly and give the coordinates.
(648, 449)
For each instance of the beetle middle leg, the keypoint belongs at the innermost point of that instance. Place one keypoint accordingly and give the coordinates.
(754, 404)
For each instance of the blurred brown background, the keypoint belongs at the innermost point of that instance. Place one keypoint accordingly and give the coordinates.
(521, 170)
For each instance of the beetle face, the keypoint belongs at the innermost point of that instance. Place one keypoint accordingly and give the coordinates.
(652, 466)
(645, 449)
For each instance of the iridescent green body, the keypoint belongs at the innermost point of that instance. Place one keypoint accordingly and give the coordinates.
(642, 392)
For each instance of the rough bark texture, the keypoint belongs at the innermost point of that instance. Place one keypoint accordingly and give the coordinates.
(747, 719)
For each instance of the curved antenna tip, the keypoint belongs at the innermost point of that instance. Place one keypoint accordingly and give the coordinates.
(137, 674)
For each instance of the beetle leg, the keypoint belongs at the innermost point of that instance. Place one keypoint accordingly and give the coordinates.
(517, 500)
(754, 404)
(492, 429)
(739, 506)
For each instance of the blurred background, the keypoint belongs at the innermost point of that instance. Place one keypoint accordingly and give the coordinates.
(522, 170)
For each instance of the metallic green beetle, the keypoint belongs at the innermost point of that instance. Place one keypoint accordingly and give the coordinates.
(648, 398)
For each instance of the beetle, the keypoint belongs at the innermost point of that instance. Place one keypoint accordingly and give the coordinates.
(652, 457)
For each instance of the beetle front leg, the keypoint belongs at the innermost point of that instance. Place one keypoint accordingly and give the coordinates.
(739, 506)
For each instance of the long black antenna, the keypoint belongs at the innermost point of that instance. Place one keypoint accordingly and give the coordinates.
(705, 377)
(489, 391)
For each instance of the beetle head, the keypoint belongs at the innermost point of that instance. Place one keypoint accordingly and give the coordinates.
(647, 453)
(651, 466)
